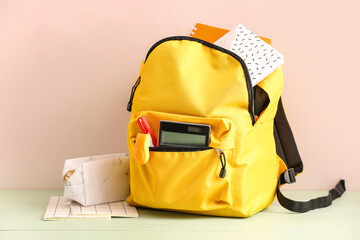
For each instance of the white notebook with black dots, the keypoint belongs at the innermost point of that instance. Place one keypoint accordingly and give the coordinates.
(261, 59)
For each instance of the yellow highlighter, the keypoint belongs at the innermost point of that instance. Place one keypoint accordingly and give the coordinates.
(141, 151)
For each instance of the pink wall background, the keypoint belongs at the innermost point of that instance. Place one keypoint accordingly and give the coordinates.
(67, 67)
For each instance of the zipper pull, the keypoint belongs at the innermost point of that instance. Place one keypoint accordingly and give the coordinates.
(223, 163)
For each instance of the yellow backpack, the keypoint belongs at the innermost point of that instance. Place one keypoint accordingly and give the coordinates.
(251, 152)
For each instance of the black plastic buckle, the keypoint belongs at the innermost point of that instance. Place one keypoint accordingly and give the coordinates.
(289, 176)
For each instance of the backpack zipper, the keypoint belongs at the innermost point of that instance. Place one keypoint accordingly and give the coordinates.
(237, 57)
(178, 149)
(223, 162)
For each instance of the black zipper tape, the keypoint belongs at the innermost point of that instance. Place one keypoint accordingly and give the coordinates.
(129, 105)
(178, 149)
(234, 55)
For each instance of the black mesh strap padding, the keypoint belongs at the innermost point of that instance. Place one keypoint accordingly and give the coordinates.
(320, 202)
(285, 142)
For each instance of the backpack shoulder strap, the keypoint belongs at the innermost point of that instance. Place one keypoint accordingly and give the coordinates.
(286, 149)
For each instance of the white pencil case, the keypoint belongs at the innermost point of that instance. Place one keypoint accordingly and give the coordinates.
(97, 179)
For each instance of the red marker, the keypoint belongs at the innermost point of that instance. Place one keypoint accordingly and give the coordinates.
(145, 128)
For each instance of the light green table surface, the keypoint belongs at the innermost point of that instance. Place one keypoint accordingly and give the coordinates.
(21, 213)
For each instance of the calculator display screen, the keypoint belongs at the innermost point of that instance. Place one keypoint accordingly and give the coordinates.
(180, 134)
(168, 138)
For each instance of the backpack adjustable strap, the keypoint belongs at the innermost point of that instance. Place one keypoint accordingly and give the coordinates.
(296, 206)
(286, 148)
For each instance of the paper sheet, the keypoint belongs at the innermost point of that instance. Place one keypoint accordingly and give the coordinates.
(261, 59)
(115, 209)
(59, 209)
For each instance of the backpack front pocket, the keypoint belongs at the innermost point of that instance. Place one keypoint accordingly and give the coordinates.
(182, 180)
(189, 179)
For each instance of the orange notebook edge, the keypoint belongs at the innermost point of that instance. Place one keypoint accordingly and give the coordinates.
(212, 34)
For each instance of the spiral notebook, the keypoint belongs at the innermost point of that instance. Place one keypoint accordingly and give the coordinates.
(207, 33)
